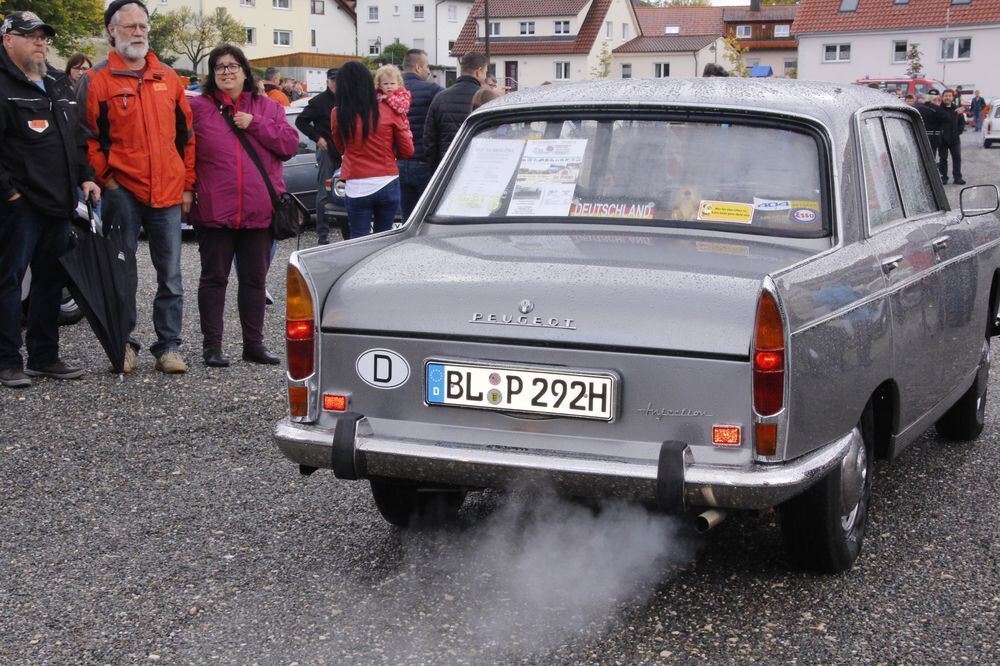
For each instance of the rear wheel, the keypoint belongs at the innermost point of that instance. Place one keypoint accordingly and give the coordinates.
(824, 527)
(966, 418)
(409, 505)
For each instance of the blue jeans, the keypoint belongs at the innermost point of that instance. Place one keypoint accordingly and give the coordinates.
(163, 231)
(30, 238)
(376, 211)
(413, 179)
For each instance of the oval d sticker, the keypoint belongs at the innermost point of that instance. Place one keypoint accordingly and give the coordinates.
(383, 368)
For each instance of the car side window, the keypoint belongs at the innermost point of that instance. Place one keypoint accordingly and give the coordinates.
(884, 205)
(911, 172)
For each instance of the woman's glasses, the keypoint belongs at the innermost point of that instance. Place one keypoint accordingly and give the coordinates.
(231, 68)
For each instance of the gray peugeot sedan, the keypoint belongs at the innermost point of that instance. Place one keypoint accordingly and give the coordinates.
(700, 294)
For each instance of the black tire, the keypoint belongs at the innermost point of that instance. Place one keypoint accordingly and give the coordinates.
(408, 505)
(69, 311)
(966, 418)
(824, 527)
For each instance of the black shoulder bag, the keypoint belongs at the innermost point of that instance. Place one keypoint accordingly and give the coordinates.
(289, 217)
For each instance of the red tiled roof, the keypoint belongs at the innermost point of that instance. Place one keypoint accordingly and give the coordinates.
(691, 20)
(766, 13)
(825, 15)
(589, 29)
(527, 8)
(666, 44)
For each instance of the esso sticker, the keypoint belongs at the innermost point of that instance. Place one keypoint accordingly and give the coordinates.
(804, 215)
(382, 368)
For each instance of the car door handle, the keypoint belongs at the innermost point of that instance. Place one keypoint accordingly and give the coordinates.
(940, 243)
(891, 264)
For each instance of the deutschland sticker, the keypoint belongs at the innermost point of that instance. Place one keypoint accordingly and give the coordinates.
(38, 125)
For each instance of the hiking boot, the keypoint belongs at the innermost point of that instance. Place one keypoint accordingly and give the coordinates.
(56, 370)
(128, 364)
(171, 363)
(14, 378)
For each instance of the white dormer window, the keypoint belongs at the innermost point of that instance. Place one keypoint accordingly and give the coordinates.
(562, 27)
(782, 30)
(527, 27)
(624, 30)
(744, 31)
(609, 29)
(494, 28)
(672, 30)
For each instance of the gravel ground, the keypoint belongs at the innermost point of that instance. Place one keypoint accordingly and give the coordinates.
(151, 519)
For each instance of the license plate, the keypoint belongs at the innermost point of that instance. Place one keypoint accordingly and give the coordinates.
(574, 393)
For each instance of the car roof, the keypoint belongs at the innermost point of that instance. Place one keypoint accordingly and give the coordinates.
(822, 101)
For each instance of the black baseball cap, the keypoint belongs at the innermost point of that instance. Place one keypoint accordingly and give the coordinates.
(118, 4)
(24, 23)
(332, 73)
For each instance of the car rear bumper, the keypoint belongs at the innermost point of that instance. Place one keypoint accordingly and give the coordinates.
(673, 481)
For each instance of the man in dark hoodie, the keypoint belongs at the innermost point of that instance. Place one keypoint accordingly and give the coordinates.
(42, 162)
(415, 173)
(952, 125)
(314, 122)
(452, 106)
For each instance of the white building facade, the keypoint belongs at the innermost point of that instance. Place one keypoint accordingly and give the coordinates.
(332, 27)
(430, 26)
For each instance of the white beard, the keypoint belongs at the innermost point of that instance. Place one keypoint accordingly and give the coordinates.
(135, 51)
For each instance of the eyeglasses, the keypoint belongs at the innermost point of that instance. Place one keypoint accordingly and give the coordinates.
(134, 27)
(82, 68)
(35, 37)
(230, 67)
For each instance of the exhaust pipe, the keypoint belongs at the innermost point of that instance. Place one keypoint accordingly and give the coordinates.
(709, 519)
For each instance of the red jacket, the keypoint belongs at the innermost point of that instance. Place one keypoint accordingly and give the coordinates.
(374, 156)
(139, 129)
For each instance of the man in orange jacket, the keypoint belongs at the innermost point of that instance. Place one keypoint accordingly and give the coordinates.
(141, 146)
(272, 86)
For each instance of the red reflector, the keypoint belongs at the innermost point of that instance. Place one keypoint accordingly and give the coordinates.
(769, 361)
(299, 329)
(723, 435)
(298, 401)
(335, 403)
(766, 438)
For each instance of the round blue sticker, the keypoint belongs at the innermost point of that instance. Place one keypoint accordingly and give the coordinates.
(804, 215)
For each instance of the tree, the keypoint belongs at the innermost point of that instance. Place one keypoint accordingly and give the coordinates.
(158, 39)
(74, 20)
(602, 69)
(913, 64)
(193, 35)
(392, 54)
(733, 53)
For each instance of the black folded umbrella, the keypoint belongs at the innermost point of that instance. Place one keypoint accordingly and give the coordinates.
(96, 267)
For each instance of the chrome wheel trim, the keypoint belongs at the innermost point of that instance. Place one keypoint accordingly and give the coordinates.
(853, 481)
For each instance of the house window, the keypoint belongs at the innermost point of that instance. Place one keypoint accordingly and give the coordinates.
(791, 65)
(609, 29)
(318, 7)
(163, 2)
(395, 10)
(452, 13)
(624, 30)
(900, 2)
(848, 5)
(451, 45)
(372, 12)
(418, 43)
(247, 3)
(562, 71)
(960, 2)
(836, 53)
(744, 31)
(661, 70)
(956, 48)
(374, 47)
(782, 30)
(494, 28)
(251, 35)
(899, 49)
(312, 38)
(751, 62)
(418, 12)
(281, 4)
(626, 70)
(282, 37)
(562, 27)
(527, 27)
(672, 30)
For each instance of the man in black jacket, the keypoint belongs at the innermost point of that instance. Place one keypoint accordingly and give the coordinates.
(952, 125)
(928, 109)
(42, 161)
(451, 107)
(314, 122)
(415, 173)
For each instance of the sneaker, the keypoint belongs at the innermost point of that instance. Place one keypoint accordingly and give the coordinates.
(171, 363)
(128, 365)
(56, 370)
(14, 378)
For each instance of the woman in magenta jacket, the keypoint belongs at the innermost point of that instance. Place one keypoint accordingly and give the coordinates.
(371, 136)
(232, 208)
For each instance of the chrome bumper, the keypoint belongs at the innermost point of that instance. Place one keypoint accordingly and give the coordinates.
(353, 451)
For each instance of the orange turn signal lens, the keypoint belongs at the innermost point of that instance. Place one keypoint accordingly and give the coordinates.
(766, 438)
(298, 401)
(726, 435)
(335, 403)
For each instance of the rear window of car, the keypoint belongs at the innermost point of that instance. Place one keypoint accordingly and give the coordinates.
(736, 177)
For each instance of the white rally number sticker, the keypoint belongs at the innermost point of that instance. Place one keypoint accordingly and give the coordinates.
(383, 368)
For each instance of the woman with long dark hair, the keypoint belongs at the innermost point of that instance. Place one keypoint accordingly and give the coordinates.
(371, 137)
(232, 209)
(77, 66)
